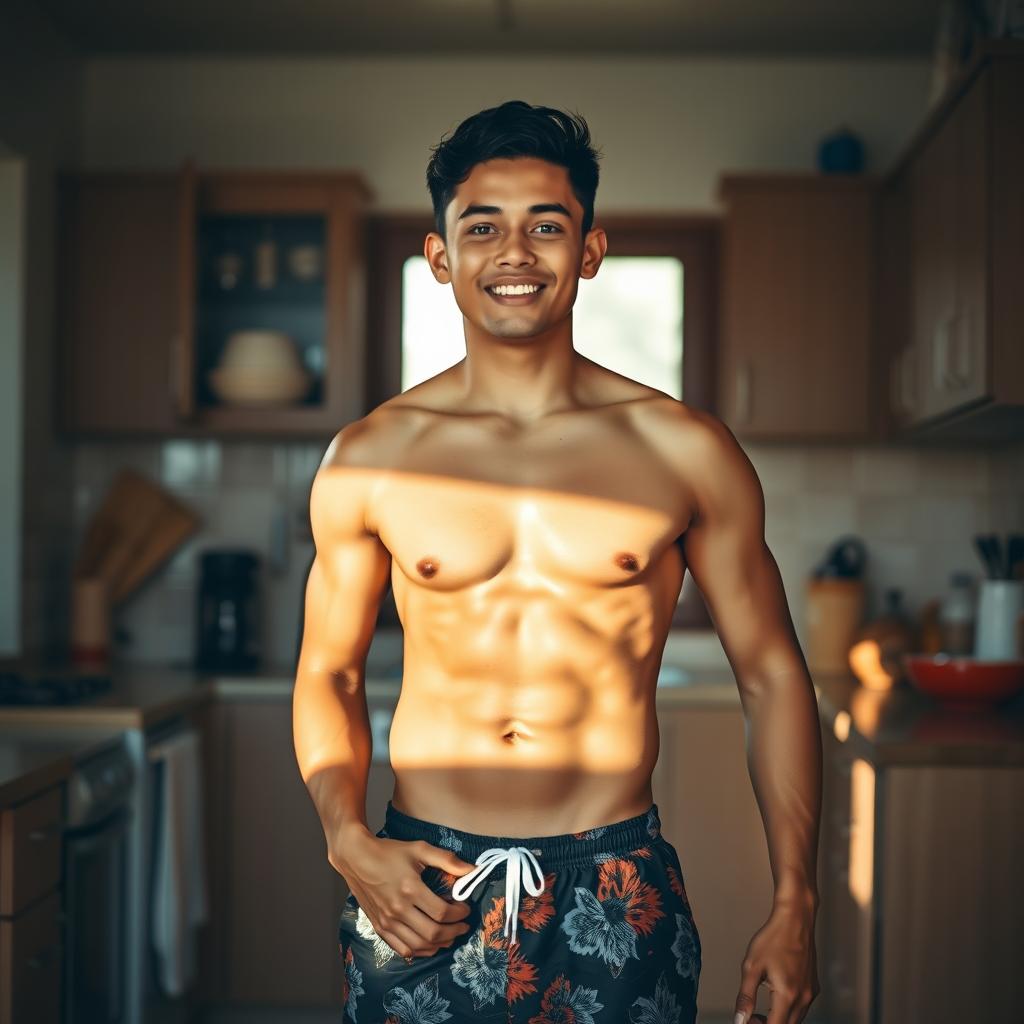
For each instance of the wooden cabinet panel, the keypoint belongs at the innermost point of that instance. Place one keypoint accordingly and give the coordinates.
(847, 872)
(951, 927)
(709, 813)
(970, 357)
(118, 316)
(30, 965)
(897, 389)
(141, 327)
(950, 242)
(30, 850)
(797, 306)
(284, 898)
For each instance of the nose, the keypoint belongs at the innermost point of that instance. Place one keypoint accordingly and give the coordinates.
(515, 252)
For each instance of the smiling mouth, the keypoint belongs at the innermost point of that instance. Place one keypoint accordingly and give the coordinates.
(514, 294)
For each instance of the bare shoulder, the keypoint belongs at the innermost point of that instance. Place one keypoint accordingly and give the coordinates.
(371, 442)
(702, 450)
(356, 460)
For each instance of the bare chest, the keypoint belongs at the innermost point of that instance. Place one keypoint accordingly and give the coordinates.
(596, 510)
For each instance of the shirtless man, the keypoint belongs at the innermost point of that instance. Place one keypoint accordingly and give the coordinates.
(535, 513)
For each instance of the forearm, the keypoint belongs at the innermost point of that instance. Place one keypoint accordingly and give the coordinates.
(784, 761)
(333, 746)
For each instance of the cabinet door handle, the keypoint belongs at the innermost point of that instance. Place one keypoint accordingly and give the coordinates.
(940, 354)
(744, 375)
(908, 379)
(962, 352)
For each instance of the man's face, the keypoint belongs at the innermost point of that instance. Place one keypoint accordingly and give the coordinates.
(514, 223)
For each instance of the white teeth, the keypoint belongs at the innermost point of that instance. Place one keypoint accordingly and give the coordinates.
(515, 289)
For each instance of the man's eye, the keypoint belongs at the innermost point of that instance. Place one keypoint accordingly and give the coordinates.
(472, 230)
(554, 228)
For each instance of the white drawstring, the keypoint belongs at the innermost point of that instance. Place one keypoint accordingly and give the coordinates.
(486, 862)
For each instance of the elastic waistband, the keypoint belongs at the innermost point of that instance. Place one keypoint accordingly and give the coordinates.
(551, 851)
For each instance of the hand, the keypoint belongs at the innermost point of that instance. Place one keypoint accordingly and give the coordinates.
(384, 876)
(781, 954)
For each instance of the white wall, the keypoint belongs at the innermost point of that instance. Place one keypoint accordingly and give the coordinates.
(667, 126)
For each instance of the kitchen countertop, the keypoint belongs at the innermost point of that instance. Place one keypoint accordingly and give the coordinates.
(902, 726)
(906, 727)
(32, 761)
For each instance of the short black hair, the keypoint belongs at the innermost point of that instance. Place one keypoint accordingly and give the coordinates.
(515, 129)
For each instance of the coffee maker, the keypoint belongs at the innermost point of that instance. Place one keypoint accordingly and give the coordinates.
(229, 625)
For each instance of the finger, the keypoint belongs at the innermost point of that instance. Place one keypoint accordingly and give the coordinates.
(401, 938)
(437, 907)
(746, 1000)
(799, 1011)
(783, 999)
(431, 931)
(439, 857)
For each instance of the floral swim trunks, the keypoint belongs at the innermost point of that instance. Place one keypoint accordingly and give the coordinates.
(591, 928)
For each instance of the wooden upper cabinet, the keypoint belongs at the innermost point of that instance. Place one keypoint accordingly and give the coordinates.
(957, 359)
(796, 306)
(898, 384)
(117, 301)
(949, 239)
(159, 271)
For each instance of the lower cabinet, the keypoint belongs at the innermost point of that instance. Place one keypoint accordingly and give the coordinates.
(31, 959)
(30, 965)
(921, 913)
(283, 897)
(276, 901)
(710, 815)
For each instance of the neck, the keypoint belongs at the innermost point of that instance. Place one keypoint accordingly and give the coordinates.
(524, 378)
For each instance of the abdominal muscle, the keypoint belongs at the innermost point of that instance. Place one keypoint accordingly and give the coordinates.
(530, 758)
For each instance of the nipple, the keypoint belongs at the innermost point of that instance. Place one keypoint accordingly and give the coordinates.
(627, 561)
(427, 567)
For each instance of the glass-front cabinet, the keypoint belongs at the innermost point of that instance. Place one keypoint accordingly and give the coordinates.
(212, 302)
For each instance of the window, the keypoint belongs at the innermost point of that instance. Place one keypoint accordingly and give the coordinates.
(628, 318)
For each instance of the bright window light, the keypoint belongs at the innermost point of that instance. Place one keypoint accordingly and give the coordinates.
(628, 318)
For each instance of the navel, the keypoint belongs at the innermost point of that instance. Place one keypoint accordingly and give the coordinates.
(628, 561)
(427, 567)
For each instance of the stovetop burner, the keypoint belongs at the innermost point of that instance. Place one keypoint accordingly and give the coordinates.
(50, 687)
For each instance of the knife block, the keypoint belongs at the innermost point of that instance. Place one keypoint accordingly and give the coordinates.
(834, 612)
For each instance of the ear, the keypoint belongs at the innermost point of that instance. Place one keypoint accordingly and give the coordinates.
(595, 245)
(437, 257)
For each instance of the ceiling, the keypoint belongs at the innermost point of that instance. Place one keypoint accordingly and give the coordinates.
(740, 27)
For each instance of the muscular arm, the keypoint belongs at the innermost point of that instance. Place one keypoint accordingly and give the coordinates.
(735, 571)
(329, 715)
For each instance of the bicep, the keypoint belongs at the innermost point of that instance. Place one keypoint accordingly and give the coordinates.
(731, 563)
(349, 573)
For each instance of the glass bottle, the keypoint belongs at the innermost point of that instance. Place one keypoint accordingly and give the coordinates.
(956, 615)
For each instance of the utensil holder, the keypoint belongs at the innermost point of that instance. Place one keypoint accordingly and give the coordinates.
(1000, 620)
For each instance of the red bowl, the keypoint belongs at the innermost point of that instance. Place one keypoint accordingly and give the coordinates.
(964, 680)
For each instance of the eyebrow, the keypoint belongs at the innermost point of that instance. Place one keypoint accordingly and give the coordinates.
(470, 211)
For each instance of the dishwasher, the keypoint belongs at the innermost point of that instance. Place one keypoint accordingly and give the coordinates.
(96, 887)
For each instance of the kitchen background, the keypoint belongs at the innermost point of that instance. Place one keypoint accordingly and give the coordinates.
(916, 507)
(753, 90)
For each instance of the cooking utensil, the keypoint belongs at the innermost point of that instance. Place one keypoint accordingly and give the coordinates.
(1015, 557)
(987, 546)
(137, 527)
(844, 560)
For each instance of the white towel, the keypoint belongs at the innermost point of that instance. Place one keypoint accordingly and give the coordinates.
(179, 884)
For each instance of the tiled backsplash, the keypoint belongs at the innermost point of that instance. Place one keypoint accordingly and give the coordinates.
(916, 509)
